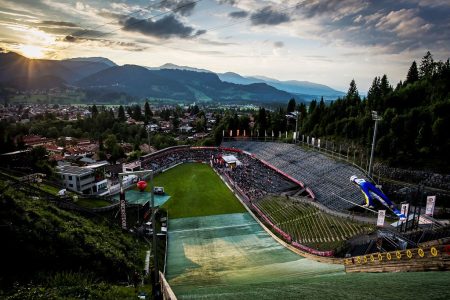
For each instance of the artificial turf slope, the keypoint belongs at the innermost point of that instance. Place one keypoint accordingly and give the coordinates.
(195, 191)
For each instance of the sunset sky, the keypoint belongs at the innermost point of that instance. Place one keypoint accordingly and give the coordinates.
(328, 42)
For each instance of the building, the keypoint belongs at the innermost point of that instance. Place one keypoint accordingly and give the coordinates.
(132, 166)
(87, 180)
(76, 179)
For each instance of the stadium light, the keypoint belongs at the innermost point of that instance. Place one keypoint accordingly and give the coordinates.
(294, 115)
(376, 118)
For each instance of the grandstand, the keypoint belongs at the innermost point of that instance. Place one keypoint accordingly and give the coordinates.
(254, 179)
(328, 178)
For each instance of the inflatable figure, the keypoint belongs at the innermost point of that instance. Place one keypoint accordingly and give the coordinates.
(371, 193)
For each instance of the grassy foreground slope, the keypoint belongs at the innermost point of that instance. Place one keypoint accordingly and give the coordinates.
(62, 253)
(195, 191)
(362, 286)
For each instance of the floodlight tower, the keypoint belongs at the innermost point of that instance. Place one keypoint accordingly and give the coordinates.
(295, 115)
(376, 118)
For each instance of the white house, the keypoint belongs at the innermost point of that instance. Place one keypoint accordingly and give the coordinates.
(76, 179)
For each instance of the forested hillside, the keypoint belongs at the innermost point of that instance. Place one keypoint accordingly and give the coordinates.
(414, 130)
(415, 116)
(59, 251)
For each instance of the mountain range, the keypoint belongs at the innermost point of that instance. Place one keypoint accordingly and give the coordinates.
(167, 82)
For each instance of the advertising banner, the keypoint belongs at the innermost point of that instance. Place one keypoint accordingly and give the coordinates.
(429, 210)
(381, 216)
(123, 212)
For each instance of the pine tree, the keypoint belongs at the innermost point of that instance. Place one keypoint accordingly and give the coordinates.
(413, 74)
(147, 112)
(262, 120)
(94, 111)
(121, 114)
(374, 93)
(427, 66)
(352, 94)
(385, 87)
(291, 105)
(137, 113)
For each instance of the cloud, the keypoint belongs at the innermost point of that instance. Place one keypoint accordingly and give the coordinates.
(278, 44)
(238, 14)
(89, 33)
(200, 32)
(404, 23)
(70, 38)
(182, 7)
(384, 26)
(229, 2)
(269, 16)
(59, 23)
(111, 15)
(165, 28)
(130, 46)
(333, 9)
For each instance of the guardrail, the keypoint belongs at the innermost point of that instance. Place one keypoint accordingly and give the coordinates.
(166, 290)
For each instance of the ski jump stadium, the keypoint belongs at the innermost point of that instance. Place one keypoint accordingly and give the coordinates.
(302, 231)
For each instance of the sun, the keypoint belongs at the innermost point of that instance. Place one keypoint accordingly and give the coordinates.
(31, 51)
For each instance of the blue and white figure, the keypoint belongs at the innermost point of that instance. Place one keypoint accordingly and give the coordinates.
(371, 193)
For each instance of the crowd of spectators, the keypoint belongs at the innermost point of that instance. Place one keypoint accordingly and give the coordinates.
(257, 180)
(251, 176)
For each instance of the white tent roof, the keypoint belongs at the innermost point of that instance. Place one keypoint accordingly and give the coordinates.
(230, 159)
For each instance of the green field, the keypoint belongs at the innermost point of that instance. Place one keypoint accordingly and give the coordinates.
(195, 191)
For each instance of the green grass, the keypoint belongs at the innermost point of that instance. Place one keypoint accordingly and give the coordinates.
(47, 188)
(414, 285)
(92, 203)
(196, 190)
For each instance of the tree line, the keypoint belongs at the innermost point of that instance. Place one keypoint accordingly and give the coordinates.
(413, 131)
